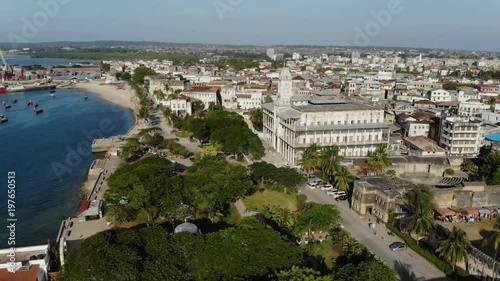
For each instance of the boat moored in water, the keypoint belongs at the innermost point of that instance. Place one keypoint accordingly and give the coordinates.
(6, 106)
(3, 120)
(29, 103)
(53, 95)
(85, 98)
(38, 110)
(14, 101)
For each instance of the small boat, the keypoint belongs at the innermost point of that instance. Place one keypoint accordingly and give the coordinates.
(29, 103)
(38, 110)
(3, 120)
(14, 101)
(52, 95)
(53, 91)
(6, 106)
(85, 98)
(35, 105)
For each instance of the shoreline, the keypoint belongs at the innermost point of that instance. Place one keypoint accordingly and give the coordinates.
(123, 97)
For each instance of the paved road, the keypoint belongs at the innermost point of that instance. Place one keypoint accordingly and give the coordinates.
(409, 265)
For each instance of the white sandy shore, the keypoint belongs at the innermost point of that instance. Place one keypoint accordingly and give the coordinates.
(123, 97)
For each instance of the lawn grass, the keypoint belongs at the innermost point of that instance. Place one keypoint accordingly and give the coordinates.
(182, 134)
(268, 198)
(326, 250)
(233, 216)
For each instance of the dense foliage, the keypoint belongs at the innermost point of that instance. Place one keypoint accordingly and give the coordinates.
(249, 250)
(227, 129)
(266, 173)
(490, 169)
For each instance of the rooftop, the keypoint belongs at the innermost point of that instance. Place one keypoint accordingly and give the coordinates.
(424, 144)
(21, 275)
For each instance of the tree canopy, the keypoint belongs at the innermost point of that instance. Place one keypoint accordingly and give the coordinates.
(317, 217)
(147, 186)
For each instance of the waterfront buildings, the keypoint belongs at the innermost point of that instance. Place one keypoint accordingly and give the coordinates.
(28, 263)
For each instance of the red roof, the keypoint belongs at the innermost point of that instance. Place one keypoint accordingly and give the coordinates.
(28, 275)
(83, 207)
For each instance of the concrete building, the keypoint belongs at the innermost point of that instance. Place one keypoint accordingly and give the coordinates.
(416, 128)
(206, 94)
(28, 263)
(294, 122)
(461, 136)
(180, 105)
(472, 108)
(423, 146)
(438, 95)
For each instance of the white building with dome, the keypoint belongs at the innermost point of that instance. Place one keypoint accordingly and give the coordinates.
(293, 122)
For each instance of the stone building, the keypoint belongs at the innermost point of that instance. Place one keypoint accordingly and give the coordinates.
(293, 123)
(379, 197)
(468, 194)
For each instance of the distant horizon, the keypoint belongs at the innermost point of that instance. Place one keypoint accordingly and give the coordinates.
(448, 25)
(243, 45)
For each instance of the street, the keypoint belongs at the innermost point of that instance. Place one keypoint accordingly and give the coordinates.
(408, 264)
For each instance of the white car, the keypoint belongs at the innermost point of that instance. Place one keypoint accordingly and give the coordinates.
(339, 194)
(332, 192)
(327, 187)
(312, 185)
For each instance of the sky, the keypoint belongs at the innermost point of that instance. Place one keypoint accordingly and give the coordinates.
(449, 24)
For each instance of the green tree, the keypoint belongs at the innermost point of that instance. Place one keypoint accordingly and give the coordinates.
(495, 178)
(420, 222)
(257, 119)
(316, 217)
(490, 164)
(141, 72)
(198, 107)
(283, 217)
(342, 178)
(211, 183)
(105, 67)
(379, 158)
(449, 172)
(369, 270)
(125, 76)
(300, 274)
(492, 102)
(159, 94)
(148, 186)
(301, 202)
(248, 252)
(470, 167)
(268, 99)
(131, 146)
(310, 158)
(329, 160)
(455, 246)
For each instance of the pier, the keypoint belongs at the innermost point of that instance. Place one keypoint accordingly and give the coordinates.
(101, 145)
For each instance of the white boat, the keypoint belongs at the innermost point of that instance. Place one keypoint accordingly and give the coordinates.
(15, 88)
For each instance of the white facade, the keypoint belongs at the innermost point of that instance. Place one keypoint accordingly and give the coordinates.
(249, 100)
(296, 56)
(438, 95)
(472, 108)
(295, 122)
(206, 96)
(415, 129)
(179, 105)
(490, 117)
(460, 136)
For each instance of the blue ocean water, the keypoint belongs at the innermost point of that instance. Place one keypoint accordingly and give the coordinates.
(50, 155)
(27, 60)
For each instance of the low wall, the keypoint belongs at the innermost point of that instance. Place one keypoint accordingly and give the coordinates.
(410, 168)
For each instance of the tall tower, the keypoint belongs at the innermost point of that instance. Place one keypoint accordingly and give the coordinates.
(285, 88)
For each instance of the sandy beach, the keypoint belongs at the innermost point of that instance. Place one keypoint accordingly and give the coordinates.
(123, 97)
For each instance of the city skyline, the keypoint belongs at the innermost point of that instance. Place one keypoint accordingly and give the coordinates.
(390, 23)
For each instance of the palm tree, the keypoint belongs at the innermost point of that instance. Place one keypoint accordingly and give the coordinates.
(310, 158)
(420, 222)
(283, 217)
(342, 178)
(379, 157)
(492, 102)
(455, 247)
(159, 95)
(330, 160)
(495, 238)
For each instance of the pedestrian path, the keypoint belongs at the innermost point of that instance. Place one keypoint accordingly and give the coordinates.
(240, 206)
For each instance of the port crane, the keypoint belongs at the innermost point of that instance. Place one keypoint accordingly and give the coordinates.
(6, 67)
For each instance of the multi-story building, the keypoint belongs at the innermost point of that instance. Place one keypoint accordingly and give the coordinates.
(472, 108)
(438, 95)
(416, 128)
(293, 123)
(206, 94)
(461, 136)
(378, 197)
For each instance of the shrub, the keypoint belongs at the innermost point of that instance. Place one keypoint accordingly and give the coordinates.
(176, 148)
(449, 172)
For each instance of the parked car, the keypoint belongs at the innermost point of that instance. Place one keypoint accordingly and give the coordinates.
(341, 198)
(332, 192)
(339, 194)
(327, 186)
(396, 246)
(312, 185)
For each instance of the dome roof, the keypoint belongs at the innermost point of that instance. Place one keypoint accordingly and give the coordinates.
(186, 227)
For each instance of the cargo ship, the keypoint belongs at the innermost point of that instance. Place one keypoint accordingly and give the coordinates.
(28, 88)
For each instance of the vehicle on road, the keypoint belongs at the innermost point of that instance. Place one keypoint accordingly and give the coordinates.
(327, 187)
(341, 198)
(312, 185)
(339, 194)
(396, 246)
(332, 192)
